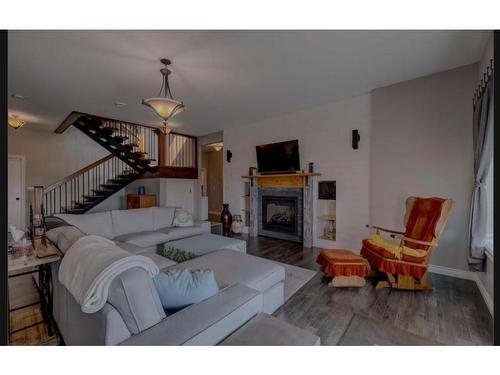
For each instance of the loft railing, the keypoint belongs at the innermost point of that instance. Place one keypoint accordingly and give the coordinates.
(171, 150)
(81, 190)
(180, 151)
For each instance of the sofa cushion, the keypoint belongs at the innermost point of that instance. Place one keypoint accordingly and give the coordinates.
(66, 238)
(175, 233)
(144, 239)
(232, 267)
(132, 221)
(131, 248)
(160, 261)
(163, 217)
(98, 223)
(180, 288)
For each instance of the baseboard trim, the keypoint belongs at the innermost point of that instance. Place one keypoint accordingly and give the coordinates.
(466, 275)
(453, 272)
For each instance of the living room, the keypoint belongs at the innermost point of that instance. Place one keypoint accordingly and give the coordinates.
(282, 188)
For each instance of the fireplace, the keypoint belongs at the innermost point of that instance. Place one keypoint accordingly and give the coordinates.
(280, 213)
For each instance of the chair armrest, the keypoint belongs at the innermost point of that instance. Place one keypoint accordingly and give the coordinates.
(377, 228)
(403, 238)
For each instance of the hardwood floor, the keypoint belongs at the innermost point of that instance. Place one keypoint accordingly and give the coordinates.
(453, 313)
(22, 291)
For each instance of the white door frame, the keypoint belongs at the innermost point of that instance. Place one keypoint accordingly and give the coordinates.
(22, 158)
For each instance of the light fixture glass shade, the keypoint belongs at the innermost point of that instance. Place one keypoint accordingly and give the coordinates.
(166, 129)
(217, 146)
(15, 122)
(164, 107)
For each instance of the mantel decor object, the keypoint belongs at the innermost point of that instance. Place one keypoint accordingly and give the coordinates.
(226, 218)
(237, 226)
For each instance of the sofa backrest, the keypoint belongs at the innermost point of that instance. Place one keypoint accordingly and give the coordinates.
(111, 224)
(98, 223)
(132, 221)
(163, 217)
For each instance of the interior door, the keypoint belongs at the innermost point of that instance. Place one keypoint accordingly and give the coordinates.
(15, 183)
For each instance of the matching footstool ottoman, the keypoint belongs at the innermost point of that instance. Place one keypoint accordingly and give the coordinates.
(206, 243)
(347, 268)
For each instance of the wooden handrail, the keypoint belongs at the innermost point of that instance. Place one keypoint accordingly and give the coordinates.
(77, 173)
(73, 116)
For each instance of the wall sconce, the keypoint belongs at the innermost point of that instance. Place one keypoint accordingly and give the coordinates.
(15, 122)
(355, 139)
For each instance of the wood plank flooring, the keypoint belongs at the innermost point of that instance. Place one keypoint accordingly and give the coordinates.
(453, 313)
(22, 291)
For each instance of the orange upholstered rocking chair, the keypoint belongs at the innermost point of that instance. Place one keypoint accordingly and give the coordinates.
(405, 259)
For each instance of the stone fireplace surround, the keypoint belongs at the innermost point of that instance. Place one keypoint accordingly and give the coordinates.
(302, 182)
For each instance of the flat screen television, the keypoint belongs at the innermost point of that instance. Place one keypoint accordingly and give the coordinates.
(281, 157)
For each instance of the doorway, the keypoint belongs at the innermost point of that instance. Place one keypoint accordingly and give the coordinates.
(16, 189)
(212, 179)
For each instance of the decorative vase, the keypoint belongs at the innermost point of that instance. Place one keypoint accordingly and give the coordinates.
(226, 219)
(237, 226)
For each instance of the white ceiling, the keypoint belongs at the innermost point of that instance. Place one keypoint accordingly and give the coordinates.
(225, 78)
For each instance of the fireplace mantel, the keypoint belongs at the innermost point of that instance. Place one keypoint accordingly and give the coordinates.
(302, 181)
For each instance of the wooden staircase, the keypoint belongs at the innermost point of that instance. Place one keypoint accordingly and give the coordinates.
(86, 188)
(121, 139)
(132, 148)
(136, 151)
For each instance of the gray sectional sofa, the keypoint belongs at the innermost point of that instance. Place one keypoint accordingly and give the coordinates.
(133, 314)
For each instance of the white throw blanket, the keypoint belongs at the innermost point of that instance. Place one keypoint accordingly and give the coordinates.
(90, 265)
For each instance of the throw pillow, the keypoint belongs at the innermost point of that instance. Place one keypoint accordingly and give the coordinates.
(180, 288)
(177, 255)
(182, 218)
(66, 237)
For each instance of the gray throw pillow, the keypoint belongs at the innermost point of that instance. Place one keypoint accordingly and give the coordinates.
(180, 288)
(67, 237)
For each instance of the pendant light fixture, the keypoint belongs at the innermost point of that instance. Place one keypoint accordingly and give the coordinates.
(164, 105)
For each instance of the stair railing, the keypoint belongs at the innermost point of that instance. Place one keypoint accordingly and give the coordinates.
(79, 188)
(141, 138)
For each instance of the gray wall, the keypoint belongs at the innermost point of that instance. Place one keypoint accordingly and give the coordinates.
(324, 135)
(422, 145)
(51, 157)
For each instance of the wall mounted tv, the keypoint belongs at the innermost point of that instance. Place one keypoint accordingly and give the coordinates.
(281, 157)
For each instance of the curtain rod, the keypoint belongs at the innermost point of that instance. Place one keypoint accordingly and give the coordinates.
(483, 84)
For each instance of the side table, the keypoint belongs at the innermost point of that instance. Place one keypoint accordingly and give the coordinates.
(216, 228)
(37, 262)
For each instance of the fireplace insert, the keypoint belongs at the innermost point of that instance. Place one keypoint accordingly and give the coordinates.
(279, 214)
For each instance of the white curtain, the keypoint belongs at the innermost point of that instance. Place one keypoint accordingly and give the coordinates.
(483, 157)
